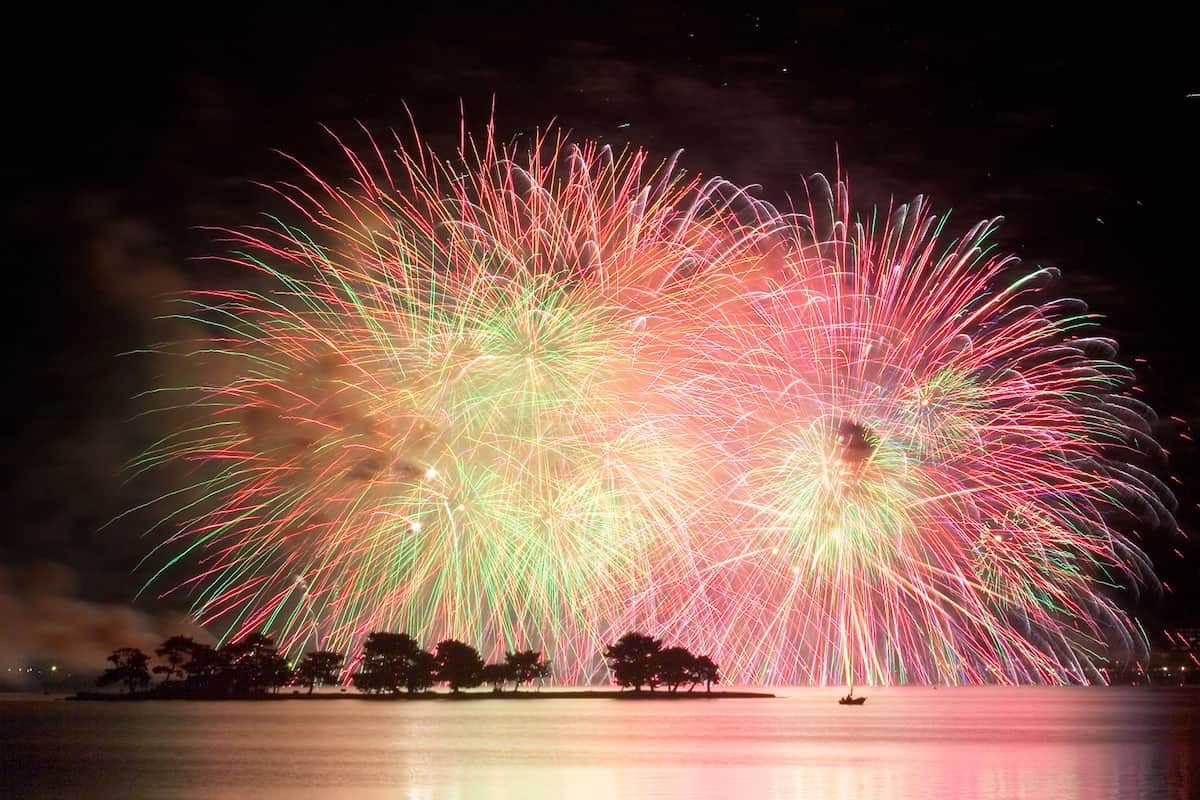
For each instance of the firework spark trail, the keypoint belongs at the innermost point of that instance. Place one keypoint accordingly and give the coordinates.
(541, 396)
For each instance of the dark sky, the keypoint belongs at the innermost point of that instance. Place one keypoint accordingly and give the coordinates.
(128, 131)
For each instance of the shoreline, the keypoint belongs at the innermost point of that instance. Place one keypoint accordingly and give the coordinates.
(558, 694)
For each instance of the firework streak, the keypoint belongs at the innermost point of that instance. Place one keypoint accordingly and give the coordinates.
(539, 396)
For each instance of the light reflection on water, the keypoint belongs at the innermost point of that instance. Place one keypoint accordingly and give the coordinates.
(1084, 743)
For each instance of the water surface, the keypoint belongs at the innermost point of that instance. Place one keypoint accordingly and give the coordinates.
(952, 744)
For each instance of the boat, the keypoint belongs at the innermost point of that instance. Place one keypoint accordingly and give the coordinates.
(850, 699)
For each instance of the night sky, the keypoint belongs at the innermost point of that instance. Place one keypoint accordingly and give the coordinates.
(129, 134)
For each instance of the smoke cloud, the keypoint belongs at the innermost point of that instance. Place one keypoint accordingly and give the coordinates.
(46, 622)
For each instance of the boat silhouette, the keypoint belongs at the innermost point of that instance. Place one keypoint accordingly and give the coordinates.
(850, 699)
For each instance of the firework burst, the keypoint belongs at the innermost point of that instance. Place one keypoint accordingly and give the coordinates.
(930, 454)
(447, 411)
(538, 396)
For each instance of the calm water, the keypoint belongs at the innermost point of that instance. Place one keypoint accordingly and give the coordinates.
(904, 743)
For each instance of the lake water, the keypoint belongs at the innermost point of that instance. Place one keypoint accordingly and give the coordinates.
(1085, 743)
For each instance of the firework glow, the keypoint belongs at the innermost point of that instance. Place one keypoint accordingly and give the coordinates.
(539, 395)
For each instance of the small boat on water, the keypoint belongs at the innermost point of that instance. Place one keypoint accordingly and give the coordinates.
(850, 699)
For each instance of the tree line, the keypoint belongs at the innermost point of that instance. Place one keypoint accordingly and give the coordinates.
(390, 663)
(394, 661)
(248, 667)
(638, 660)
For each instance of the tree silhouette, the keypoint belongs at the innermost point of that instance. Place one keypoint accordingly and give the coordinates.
(422, 672)
(459, 665)
(497, 675)
(278, 672)
(387, 663)
(254, 665)
(176, 651)
(526, 666)
(706, 671)
(632, 660)
(207, 671)
(319, 666)
(129, 666)
(674, 666)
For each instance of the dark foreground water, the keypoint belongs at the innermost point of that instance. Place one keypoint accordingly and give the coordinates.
(904, 743)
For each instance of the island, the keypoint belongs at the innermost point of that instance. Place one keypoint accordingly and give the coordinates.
(394, 666)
